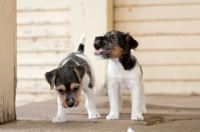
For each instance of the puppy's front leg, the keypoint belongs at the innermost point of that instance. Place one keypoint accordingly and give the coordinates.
(61, 113)
(113, 94)
(89, 104)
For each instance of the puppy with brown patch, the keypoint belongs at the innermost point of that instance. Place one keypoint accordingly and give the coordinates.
(74, 74)
(123, 71)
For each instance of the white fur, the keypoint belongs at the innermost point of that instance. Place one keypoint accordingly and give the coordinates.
(82, 39)
(132, 79)
(130, 130)
(89, 95)
(61, 113)
(64, 63)
(98, 57)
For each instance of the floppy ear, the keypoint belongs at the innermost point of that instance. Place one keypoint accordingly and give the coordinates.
(80, 72)
(130, 42)
(51, 77)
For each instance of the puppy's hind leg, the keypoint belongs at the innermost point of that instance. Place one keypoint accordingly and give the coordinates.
(136, 103)
(144, 110)
(89, 104)
(136, 99)
(120, 102)
(61, 113)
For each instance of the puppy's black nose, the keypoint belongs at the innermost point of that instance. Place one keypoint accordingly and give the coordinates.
(70, 103)
(97, 42)
(96, 46)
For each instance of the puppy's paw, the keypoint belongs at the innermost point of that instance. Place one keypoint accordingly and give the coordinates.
(58, 120)
(94, 115)
(112, 116)
(137, 117)
(144, 111)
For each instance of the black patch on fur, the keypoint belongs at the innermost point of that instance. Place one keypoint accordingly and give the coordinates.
(128, 61)
(74, 60)
(81, 48)
(66, 76)
(49, 76)
(130, 43)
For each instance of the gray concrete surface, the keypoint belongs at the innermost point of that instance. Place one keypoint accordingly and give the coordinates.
(165, 113)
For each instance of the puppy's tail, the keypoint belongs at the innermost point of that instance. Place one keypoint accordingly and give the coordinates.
(81, 43)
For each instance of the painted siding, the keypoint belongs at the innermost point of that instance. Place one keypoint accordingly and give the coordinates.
(43, 38)
(168, 33)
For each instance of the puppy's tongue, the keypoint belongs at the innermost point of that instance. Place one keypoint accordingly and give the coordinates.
(98, 52)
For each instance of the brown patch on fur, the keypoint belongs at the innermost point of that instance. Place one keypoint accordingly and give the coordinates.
(116, 52)
(62, 98)
(78, 74)
(77, 97)
(74, 85)
(62, 87)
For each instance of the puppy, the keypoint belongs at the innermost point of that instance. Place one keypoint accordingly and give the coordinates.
(73, 75)
(123, 71)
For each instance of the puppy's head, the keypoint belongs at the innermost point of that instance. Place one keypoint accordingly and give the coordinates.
(67, 82)
(114, 44)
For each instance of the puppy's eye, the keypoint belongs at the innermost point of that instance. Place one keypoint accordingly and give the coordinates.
(112, 38)
(76, 88)
(60, 91)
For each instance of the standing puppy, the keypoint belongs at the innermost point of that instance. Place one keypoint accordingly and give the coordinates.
(73, 75)
(123, 71)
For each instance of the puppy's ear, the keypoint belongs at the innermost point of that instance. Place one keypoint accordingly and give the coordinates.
(80, 72)
(51, 77)
(130, 42)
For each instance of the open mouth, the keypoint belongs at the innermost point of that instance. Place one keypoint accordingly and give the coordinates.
(99, 52)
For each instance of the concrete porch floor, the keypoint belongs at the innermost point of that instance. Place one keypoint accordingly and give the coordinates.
(165, 113)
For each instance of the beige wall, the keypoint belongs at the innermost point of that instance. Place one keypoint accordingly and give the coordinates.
(48, 32)
(169, 42)
(167, 31)
(7, 60)
(43, 39)
(93, 17)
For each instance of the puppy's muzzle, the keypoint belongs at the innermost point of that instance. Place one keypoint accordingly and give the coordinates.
(99, 42)
(99, 45)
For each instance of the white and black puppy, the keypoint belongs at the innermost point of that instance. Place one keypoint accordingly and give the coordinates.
(74, 74)
(123, 71)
